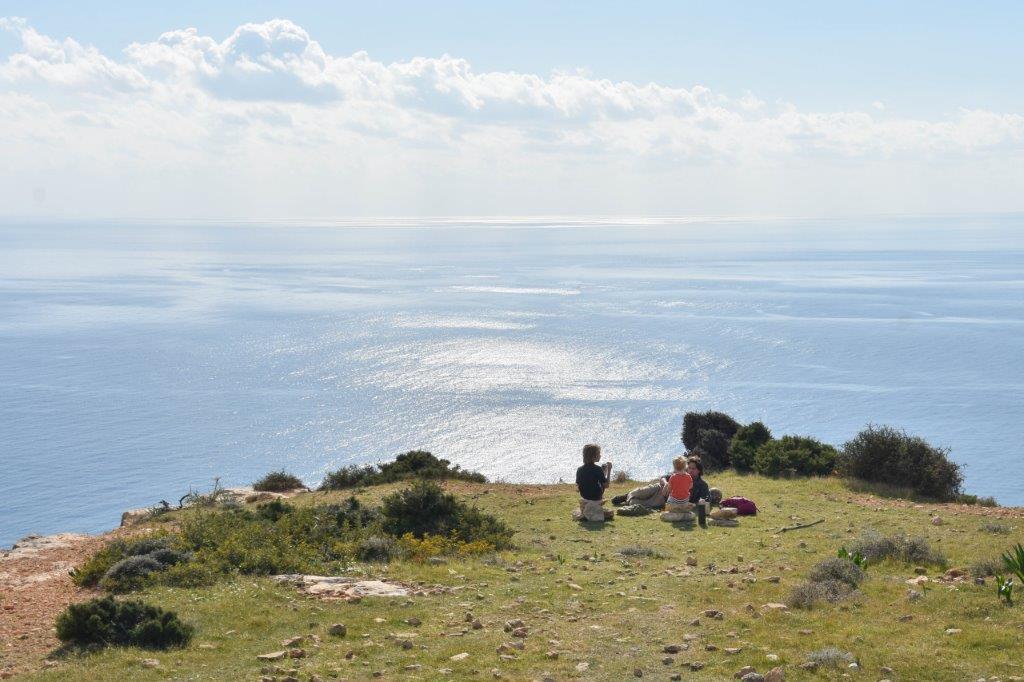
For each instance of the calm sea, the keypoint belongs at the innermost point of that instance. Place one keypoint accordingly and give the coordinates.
(138, 361)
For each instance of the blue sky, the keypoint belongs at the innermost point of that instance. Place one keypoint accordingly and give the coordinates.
(532, 107)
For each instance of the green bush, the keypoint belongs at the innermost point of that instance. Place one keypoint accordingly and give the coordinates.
(107, 622)
(378, 548)
(745, 443)
(887, 455)
(695, 422)
(795, 454)
(712, 448)
(424, 509)
(278, 481)
(128, 575)
(415, 464)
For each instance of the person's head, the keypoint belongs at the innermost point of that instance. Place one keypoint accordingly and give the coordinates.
(678, 464)
(694, 467)
(591, 453)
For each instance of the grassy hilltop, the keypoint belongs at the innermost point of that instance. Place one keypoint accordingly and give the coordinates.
(603, 601)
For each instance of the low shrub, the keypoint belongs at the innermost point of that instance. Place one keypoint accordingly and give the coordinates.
(831, 657)
(107, 622)
(640, 550)
(188, 575)
(836, 569)
(695, 422)
(278, 481)
(887, 455)
(795, 454)
(996, 528)
(966, 498)
(986, 568)
(745, 443)
(424, 509)
(378, 548)
(620, 477)
(415, 464)
(99, 566)
(903, 548)
(130, 573)
(807, 595)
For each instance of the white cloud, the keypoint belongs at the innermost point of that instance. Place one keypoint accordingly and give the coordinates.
(266, 121)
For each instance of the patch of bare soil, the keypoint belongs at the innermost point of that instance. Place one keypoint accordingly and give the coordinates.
(34, 588)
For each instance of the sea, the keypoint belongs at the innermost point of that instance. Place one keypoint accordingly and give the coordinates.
(141, 360)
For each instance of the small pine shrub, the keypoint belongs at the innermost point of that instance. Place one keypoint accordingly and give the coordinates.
(883, 454)
(836, 569)
(107, 622)
(97, 567)
(745, 443)
(695, 422)
(424, 509)
(277, 481)
(996, 528)
(986, 568)
(130, 573)
(795, 454)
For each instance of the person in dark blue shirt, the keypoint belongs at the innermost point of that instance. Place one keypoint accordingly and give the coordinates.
(591, 479)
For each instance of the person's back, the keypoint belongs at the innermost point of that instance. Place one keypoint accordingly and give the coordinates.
(591, 482)
(679, 483)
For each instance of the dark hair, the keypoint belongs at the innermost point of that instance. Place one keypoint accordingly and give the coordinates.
(591, 453)
(695, 461)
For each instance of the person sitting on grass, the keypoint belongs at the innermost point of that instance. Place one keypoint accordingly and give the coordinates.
(679, 485)
(591, 482)
(700, 490)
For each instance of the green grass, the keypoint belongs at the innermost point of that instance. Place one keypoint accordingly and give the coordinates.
(630, 606)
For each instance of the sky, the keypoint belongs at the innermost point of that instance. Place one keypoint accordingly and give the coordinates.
(270, 110)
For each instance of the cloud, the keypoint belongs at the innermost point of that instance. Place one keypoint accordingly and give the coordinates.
(269, 105)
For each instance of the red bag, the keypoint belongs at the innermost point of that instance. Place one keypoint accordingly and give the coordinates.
(742, 505)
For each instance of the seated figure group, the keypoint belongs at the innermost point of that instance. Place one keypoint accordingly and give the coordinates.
(679, 493)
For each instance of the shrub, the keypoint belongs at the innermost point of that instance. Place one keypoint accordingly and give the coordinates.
(130, 573)
(965, 498)
(903, 548)
(839, 570)
(745, 443)
(620, 477)
(831, 657)
(713, 449)
(807, 595)
(986, 568)
(640, 550)
(106, 622)
(188, 575)
(695, 422)
(415, 464)
(996, 528)
(277, 481)
(795, 454)
(378, 548)
(887, 455)
(424, 509)
(98, 566)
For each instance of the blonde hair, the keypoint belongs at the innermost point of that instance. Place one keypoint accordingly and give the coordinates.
(679, 463)
(591, 453)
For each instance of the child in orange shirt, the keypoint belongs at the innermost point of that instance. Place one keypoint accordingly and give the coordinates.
(679, 484)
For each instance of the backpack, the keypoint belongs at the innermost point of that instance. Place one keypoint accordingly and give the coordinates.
(742, 505)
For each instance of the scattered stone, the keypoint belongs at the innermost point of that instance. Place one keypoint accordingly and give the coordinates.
(775, 607)
(732, 650)
(713, 613)
(413, 666)
(805, 632)
(415, 622)
(553, 655)
(743, 671)
(776, 674)
(691, 561)
(772, 657)
(272, 656)
(809, 665)
(338, 630)
(292, 641)
(672, 649)
(406, 644)
(582, 667)
(886, 670)
(906, 618)
(297, 653)
(696, 665)
(937, 521)
(460, 657)
(753, 677)
(953, 631)
(637, 672)
(477, 625)
(521, 632)
(147, 663)
(710, 647)
(668, 660)
(773, 578)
